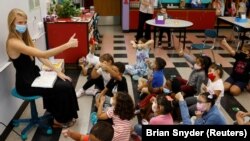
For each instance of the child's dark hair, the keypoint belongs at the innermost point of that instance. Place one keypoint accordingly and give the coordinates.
(124, 107)
(210, 98)
(100, 127)
(161, 63)
(143, 40)
(207, 63)
(120, 66)
(163, 101)
(201, 60)
(217, 67)
(106, 57)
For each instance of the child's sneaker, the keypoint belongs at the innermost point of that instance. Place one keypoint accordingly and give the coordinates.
(80, 93)
(91, 91)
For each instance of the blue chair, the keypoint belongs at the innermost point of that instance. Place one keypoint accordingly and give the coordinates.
(209, 34)
(34, 120)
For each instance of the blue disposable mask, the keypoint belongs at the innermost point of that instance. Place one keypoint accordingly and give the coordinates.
(21, 28)
(166, 91)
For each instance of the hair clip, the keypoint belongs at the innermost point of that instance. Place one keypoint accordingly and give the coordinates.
(211, 93)
(210, 96)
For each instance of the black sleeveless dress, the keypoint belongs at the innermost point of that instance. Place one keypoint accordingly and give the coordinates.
(60, 101)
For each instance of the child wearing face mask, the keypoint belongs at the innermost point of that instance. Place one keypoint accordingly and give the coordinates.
(198, 76)
(207, 113)
(239, 78)
(214, 86)
(162, 107)
(142, 54)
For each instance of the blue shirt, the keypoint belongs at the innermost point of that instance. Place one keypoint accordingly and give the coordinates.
(212, 117)
(158, 79)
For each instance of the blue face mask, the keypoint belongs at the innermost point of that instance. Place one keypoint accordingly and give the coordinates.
(166, 91)
(21, 28)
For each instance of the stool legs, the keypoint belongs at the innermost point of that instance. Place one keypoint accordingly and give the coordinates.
(33, 121)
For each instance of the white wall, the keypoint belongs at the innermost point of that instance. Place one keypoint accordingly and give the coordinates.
(8, 104)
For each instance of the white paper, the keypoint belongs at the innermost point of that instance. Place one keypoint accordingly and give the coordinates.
(46, 80)
(160, 17)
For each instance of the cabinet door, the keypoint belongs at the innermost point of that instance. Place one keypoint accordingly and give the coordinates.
(177, 14)
(133, 19)
(209, 19)
(195, 16)
(59, 33)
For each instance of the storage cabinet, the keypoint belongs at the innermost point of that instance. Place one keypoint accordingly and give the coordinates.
(59, 32)
(202, 19)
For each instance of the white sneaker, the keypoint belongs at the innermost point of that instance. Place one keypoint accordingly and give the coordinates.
(91, 91)
(80, 93)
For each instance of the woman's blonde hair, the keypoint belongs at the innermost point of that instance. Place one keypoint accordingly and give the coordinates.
(12, 30)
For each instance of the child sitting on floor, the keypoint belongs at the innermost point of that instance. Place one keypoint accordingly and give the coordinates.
(239, 78)
(142, 53)
(91, 59)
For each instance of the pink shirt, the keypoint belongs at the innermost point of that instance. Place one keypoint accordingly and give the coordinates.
(162, 120)
(122, 128)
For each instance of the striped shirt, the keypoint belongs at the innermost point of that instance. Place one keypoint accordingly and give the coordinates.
(122, 128)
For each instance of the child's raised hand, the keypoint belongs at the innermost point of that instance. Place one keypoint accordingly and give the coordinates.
(179, 96)
(133, 43)
(152, 99)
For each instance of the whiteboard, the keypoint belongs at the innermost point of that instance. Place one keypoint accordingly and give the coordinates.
(6, 6)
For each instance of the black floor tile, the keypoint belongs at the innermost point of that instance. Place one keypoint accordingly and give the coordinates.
(174, 55)
(227, 70)
(228, 102)
(221, 36)
(119, 48)
(151, 55)
(118, 36)
(118, 41)
(225, 55)
(187, 42)
(73, 74)
(200, 36)
(180, 64)
(167, 48)
(120, 55)
(170, 71)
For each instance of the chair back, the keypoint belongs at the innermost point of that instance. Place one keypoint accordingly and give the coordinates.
(211, 33)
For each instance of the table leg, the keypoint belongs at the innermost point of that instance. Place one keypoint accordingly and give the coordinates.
(154, 36)
(184, 41)
(218, 23)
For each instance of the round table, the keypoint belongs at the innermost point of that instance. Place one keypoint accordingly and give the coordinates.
(171, 24)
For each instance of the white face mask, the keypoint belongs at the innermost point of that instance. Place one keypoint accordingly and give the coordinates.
(154, 107)
(197, 67)
(166, 91)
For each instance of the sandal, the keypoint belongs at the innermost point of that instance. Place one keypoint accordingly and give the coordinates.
(64, 125)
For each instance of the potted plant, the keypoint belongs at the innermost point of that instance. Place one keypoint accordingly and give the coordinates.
(67, 9)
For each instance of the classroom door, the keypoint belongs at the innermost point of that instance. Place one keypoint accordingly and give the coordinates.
(109, 10)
